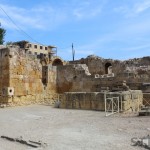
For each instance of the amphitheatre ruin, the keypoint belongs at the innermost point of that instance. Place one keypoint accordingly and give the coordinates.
(34, 74)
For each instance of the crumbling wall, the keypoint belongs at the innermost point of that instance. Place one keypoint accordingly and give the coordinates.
(25, 75)
(98, 65)
(25, 78)
(136, 71)
(71, 77)
(49, 73)
(77, 78)
(4, 73)
(131, 100)
(50, 86)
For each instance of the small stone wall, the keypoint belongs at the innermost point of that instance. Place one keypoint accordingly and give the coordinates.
(47, 99)
(131, 100)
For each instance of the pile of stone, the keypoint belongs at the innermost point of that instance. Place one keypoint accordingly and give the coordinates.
(145, 111)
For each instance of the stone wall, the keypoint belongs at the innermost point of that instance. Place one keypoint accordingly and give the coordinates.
(137, 67)
(4, 73)
(136, 72)
(98, 65)
(77, 78)
(71, 78)
(23, 78)
(25, 74)
(131, 100)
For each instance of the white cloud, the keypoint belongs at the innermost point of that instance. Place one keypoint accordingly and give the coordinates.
(47, 16)
(43, 17)
(87, 10)
(5, 23)
(140, 7)
(129, 39)
(133, 9)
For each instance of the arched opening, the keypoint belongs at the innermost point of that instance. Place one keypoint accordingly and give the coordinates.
(108, 68)
(57, 62)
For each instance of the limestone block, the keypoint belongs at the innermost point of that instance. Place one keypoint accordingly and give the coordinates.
(95, 100)
(16, 99)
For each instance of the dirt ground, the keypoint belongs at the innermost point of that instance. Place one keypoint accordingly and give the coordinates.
(65, 129)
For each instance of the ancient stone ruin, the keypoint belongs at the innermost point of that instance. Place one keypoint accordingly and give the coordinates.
(88, 83)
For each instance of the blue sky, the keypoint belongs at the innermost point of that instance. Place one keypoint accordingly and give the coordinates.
(117, 29)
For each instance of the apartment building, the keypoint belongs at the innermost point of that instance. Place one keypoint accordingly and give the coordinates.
(37, 49)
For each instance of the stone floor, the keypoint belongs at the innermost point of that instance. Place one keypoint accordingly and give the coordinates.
(65, 129)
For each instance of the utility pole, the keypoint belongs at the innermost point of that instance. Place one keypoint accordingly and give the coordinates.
(73, 52)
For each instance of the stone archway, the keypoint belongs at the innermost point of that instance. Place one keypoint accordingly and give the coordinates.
(57, 62)
(108, 68)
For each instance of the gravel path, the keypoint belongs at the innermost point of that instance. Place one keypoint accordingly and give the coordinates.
(65, 129)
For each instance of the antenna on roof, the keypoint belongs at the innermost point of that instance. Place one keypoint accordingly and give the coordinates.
(73, 52)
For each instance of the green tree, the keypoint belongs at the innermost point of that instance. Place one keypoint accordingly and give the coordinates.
(2, 35)
(9, 43)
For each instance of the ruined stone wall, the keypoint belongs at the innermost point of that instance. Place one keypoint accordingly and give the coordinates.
(70, 77)
(138, 67)
(4, 68)
(50, 87)
(128, 100)
(135, 71)
(98, 65)
(24, 78)
(4, 73)
(77, 78)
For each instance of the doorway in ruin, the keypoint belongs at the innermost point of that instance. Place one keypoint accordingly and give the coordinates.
(44, 75)
(57, 62)
(108, 68)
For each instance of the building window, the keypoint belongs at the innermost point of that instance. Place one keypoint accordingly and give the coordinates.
(30, 45)
(35, 46)
(30, 52)
(45, 48)
(35, 53)
(41, 47)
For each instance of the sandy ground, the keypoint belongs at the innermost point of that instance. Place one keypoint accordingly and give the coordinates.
(64, 129)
